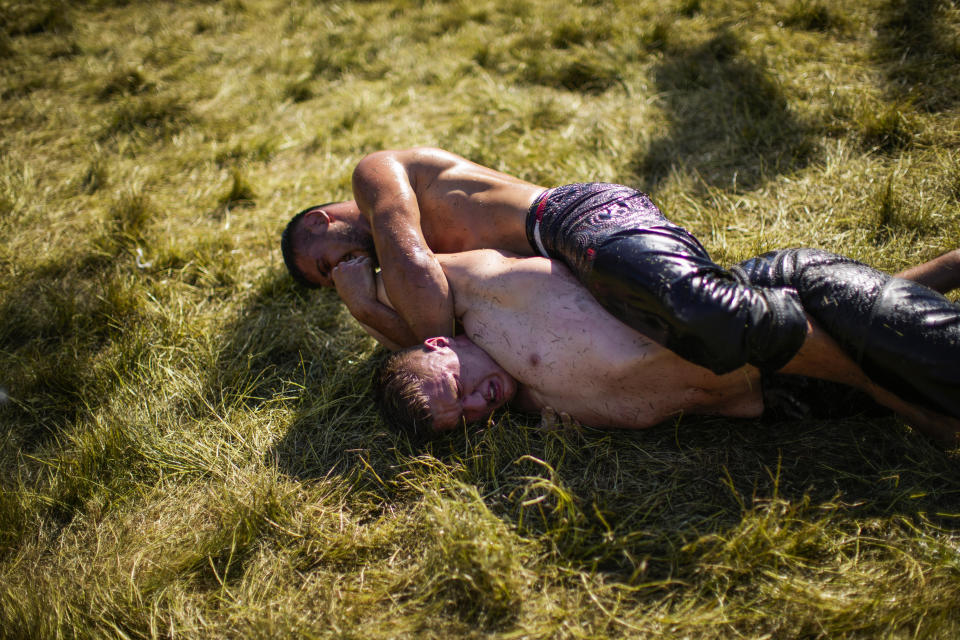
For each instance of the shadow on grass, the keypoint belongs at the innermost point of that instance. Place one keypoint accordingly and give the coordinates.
(918, 46)
(65, 343)
(635, 506)
(258, 356)
(627, 503)
(296, 346)
(62, 316)
(728, 120)
(336, 432)
(57, 320)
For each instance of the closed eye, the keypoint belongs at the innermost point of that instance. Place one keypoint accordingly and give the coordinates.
(321, 270)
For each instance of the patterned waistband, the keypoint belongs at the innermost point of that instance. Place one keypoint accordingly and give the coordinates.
(537, 209)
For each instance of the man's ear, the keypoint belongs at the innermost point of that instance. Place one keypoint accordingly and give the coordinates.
(435, 344)
(316, 221)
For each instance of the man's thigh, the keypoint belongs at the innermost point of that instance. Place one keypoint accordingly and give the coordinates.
(661, 282)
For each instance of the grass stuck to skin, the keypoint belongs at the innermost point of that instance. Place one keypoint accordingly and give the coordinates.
(187, 444)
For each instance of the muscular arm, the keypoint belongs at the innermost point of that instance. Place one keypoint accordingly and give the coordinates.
(385, 188)
(388, 329)
(474, 276)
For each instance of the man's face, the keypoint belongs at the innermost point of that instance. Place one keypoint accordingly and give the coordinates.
(324, 240)
(463, 382)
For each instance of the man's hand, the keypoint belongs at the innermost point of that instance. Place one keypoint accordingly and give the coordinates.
(356, 284)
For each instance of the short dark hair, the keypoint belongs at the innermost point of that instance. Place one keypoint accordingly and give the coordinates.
(400, 397)
(286, 248)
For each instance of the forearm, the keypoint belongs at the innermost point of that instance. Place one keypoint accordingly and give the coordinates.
(422, 300)
(385, 325)
(382, 339)
(385, 189)
(821, 357)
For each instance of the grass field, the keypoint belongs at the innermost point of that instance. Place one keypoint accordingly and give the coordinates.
(188, 447)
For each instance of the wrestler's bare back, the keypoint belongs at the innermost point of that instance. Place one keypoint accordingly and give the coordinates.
(540, 324)
(460, 205)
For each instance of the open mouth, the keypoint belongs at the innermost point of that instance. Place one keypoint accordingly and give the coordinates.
(494, 393)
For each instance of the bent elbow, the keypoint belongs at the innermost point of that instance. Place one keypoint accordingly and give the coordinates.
(371, 164)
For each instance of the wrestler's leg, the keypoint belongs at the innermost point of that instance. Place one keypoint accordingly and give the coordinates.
(906, 337)
(938, 426)
(941, 274)
(660, 281)
(821, 357)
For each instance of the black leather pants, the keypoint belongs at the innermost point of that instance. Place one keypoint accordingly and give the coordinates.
(660, 281)
(657, 278)
(905, 336)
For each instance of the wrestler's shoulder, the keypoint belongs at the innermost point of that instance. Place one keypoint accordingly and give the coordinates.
(411, 155)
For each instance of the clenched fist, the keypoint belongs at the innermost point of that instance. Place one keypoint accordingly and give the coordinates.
(355, 282)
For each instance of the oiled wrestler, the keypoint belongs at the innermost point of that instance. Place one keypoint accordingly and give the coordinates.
(413, 204)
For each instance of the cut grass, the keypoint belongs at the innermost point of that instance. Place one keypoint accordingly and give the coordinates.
(187, 440)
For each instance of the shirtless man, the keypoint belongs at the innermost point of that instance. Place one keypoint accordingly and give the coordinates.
(650, 273)
(536, 338)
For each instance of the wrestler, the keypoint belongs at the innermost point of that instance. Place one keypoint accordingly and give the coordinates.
(536, 338)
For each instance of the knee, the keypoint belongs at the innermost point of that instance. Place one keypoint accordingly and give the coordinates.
(800, 268)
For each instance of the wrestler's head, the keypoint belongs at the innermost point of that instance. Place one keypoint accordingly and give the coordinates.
(320, 237)
(432, 387)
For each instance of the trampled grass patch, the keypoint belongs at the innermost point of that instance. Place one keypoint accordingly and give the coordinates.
(187, 439)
